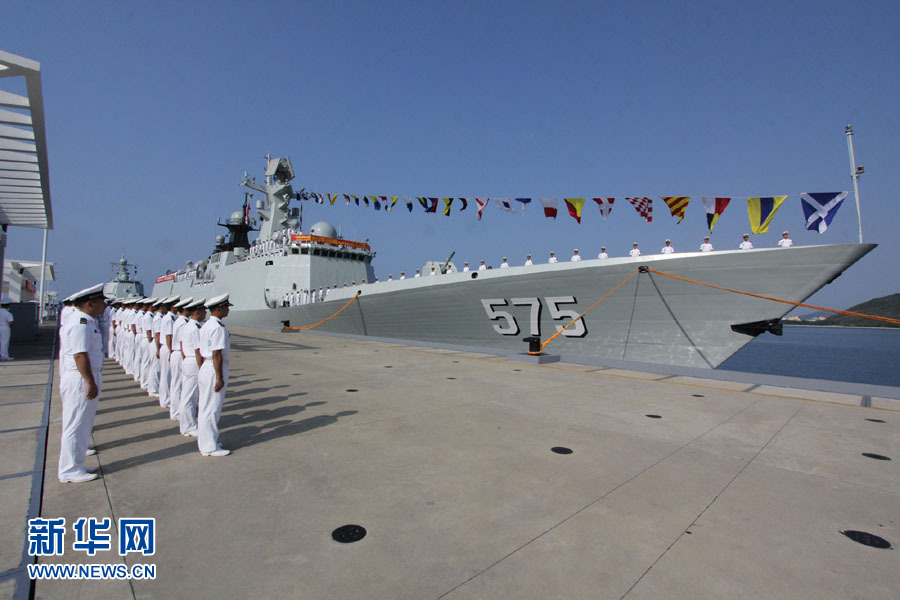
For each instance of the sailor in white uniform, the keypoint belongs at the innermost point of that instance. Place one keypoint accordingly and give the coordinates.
(746, 244)
(417, 275)
(635, 251)
(137, 326)
(149, 364)
(177, 358)
(528, 261)
(80, 383)
(402, 276)
(482, 266)
(504, 264)
(466, 268)
(164, 342)
(706, 246)
(552, 259)
(215, 346)
(190, 368)
(576, 257)
(432, 274)
(785, 241)
(603, 253)
(668, 249)
(6, 320)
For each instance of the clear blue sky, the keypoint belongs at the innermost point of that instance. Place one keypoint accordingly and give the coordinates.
(155, 110)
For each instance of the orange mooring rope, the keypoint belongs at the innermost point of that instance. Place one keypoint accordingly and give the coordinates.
(823, 308)
(648, 270)
(314, 325)
(553, 337)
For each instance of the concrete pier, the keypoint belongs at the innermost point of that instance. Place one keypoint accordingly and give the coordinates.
(677, 486)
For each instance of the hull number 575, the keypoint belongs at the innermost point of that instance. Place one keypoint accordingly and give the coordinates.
(508, 325)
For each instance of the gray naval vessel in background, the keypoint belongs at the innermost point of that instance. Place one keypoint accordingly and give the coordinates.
(651, 318)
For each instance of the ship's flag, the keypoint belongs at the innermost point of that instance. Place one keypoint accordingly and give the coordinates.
(347, 198)
(247, 213)
(605, 205)
(375, 202)
(433, 207)
(524, 201)
(550, 205)
(575, 205)
(643, 206)
(409, 204)
(332, 198)
(481, 204)
(356, 198)
(465, 203)
(393, 203)
(714, 208)
(366, 199)
(819, 209)
(423, 201)
(761, 211)
(447, 203)
(677, 205)
(505, 204)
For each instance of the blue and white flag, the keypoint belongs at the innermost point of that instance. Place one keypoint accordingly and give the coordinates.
(819, 209)
(505, 204)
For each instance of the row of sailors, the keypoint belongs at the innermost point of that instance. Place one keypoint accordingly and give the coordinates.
(164, 345)
(269, 247)
(301, 297)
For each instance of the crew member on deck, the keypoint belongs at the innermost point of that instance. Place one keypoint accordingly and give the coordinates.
(746, 244)
(603, 253)
(528, 261)
(785, 241)
(80, 383)
(575, 257)
(190, 369)
(466, 267)
(215, 346)
(635, 251)
(706, 246)
(482, 266)
(553, 258)
(504, 264)
(668, 249)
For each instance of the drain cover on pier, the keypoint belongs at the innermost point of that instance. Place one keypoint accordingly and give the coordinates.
(348, 534)
(867, 539)
(876, 456)
(653, 416)
(561, 450)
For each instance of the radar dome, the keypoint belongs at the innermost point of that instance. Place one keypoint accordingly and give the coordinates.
(323, 229)
(236, 218)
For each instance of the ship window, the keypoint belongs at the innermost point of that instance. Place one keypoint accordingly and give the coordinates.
(304, 250)
(269, 263)
(295, 250)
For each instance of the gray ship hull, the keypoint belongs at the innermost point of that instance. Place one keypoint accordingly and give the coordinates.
(651, 318)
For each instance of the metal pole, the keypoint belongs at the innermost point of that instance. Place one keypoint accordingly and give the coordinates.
(854, 175)
(41, 314)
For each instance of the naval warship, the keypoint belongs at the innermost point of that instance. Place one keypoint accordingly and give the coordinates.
(651, 318)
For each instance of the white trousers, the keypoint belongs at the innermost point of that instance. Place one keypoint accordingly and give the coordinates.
(150, 368)
(4, 341)
(210, 408)
(175, 384)
(187, 415)
(164, 375)
(77, 421)
(111, 349)
(137, 356)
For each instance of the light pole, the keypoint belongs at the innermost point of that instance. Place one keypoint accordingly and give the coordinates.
(854, 175)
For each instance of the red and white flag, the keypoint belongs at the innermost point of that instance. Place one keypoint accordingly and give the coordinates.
(643, 205)
(481, 202)
(550, 205)
(605, 205)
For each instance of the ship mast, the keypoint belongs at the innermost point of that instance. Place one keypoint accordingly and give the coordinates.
(855, 172)
(274, 212)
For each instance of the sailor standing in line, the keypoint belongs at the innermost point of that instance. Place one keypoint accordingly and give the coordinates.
(706, 246)
(603, 253)
(6, 320)
(164, 343)
(80, 383)
(149, 375)
(190, 368)
(552, 258)
(103, 321)
(635, 251)
(177, 358)
(138, 335)
(155, 346)
(528, 261)
(746, 244)
(576, 257)
(668, 249)
(215, 346)
(785, 241)
(504, 264)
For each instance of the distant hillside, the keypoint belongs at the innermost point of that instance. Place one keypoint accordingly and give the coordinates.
(887, 306)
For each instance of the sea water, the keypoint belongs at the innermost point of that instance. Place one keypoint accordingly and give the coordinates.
(854, 354)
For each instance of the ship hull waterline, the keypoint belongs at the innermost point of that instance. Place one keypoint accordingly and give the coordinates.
(652, 318)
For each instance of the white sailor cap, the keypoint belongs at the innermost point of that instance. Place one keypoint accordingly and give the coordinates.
(784, 233)
(218, 300)
(158, 302)
(148, 301)
(705, 237)
(576, 249)
(171, 300)
(634, 243)
(184, 302)
(668, 240)
(88, 293)
(195, 304)
(746, 235)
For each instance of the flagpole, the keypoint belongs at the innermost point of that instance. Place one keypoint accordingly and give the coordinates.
(854, 175)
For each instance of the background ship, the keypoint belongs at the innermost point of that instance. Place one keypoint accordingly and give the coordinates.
(651, 318)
